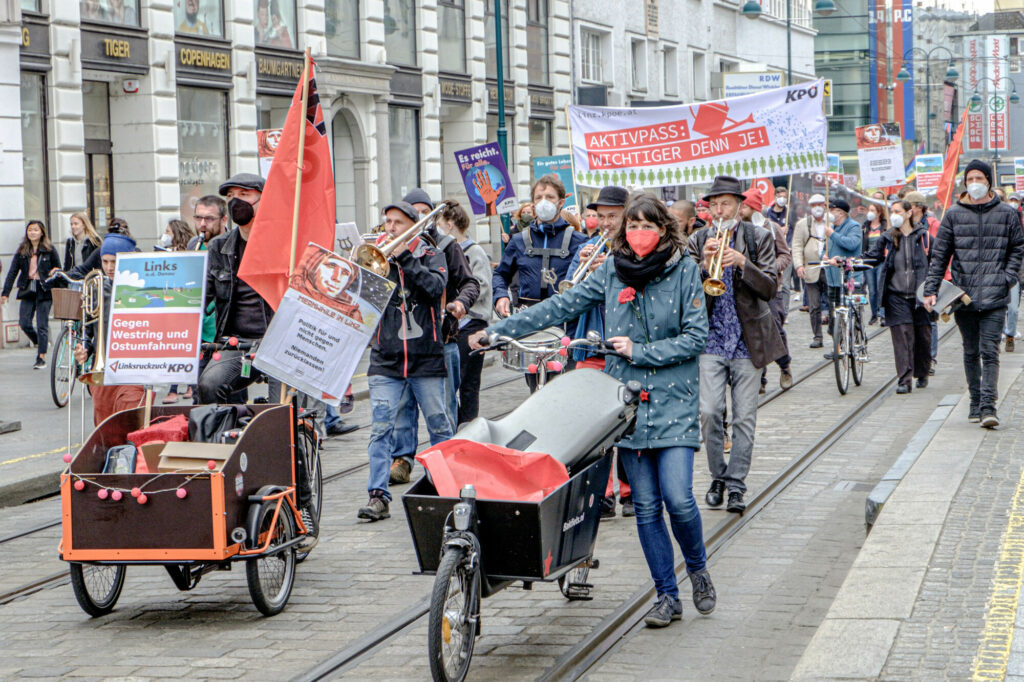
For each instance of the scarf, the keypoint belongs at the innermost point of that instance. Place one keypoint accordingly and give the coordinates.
(638, 273)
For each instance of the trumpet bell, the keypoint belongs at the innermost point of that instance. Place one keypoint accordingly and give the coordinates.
(370, 257)
(714, 287)
(564, 286)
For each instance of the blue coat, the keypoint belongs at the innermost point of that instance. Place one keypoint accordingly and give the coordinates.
(666, 344)
(515, 260)
(845, 242)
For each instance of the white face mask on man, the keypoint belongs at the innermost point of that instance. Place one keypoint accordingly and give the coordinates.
(977, 190)
(817, 212)
(780, 201)
(547, 210)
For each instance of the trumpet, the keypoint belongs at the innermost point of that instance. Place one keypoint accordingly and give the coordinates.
(713, 285)
(375, 258)
(583, 269)
(92, 313)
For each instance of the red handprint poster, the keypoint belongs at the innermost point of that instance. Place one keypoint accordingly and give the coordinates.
(486, 179)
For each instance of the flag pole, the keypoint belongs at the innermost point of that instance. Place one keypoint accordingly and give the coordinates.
(298, 168)
(572, 163)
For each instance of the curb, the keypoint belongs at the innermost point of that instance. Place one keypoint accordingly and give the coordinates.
(29, 489)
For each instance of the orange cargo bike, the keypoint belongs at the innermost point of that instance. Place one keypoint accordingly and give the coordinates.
(201, 507)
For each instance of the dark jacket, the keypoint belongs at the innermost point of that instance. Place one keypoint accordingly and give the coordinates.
(783, 251)
(515, 260)
(883, 254)
(408, 339)
(47, 261)
(785, 216)
(753, 287)
(69, 252)
(462, 285)
(986, 245)
(221, 273)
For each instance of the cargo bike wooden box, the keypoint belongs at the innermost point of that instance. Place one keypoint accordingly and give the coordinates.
(237, 503)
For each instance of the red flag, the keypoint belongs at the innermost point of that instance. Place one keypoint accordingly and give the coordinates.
(951, 164)
(766, 189)
(266, 263)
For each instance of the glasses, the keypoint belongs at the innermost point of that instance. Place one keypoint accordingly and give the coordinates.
(205, 218)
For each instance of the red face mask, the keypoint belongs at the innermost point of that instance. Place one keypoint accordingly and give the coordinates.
(643, 242)
(591, 223)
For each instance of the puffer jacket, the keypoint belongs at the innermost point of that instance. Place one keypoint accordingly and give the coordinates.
(669, 328)
(986, 245)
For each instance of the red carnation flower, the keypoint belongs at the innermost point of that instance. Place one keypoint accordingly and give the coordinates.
(626, 295)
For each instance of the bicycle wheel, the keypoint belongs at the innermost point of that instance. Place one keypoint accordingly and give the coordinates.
(454, 606)
(270, 576)
(97, 587)
(840, 352)
(62, 370)
(858, 349)
(310, 449)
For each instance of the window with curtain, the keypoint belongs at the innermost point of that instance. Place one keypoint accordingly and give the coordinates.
(591, 57)
(400, 31)
(490, 42)
(404, 129)
(537, 41)
(341, 27)
(451, 36)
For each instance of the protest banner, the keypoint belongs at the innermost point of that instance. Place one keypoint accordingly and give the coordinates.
(486, 179)
(929, 172)
(1018, 174)
(561, 166)
(880, 153)
(323, 324)
(156, 318)
(266, 146)
(771, 133)
(974, 49)
(997, 48)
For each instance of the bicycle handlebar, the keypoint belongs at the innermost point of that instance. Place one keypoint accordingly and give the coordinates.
(60, 274)
(541, 348)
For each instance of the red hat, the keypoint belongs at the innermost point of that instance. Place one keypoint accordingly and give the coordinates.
(702, 203)
(752, 198)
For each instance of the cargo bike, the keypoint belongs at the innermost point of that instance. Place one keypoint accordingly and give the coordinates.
(194, 507)
(475, 539)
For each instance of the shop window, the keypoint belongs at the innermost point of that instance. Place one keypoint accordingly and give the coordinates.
(400, 31)
(537, 41)
(271, 111)
(275, 23)
(99, 164)
(199, 17)
(451, 36)
(33, 142)
(342, 28)
(540, 138)
(30, 5)
(404, 144)
(124, 12)
(489, 41)
(670, 69)
(638, 61)
(202, 144)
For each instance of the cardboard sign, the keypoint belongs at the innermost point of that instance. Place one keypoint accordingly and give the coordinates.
(880, 153)
(486, 179)
(156, 318)
(561, 166)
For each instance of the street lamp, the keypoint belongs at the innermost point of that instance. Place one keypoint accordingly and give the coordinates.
(502, 132)
(976, 99)
(904, 75)
(752, 10)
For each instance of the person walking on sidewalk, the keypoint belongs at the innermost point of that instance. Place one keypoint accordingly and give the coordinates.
(655, 319)
(33, 262)
(982, 237)
(901, 259)
(742, 338)
(82, 242)
(809, 240)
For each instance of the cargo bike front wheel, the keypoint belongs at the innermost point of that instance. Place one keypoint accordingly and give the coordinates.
(271, 574)
(97, 587)
(454, 614)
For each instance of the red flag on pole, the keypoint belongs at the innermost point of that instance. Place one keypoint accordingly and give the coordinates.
(291, 213)
(951, 164)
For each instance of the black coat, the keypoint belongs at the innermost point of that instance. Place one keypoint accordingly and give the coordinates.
(48, 260)
(221, 272)
(986, 245)
(462, 285)
(69, 252)
(883, 254)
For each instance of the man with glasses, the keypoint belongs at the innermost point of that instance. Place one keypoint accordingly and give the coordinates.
(210, 219)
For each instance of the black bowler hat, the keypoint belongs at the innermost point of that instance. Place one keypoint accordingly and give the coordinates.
(610, 196)
(841, 204)
(725, 184)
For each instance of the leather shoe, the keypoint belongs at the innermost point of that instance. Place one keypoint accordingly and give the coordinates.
(714, 494)
(903, 389)
(736, 504)
(816, 343)
(922, 382)
(341, 428)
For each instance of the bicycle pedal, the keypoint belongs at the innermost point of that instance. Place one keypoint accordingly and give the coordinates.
(595, 563)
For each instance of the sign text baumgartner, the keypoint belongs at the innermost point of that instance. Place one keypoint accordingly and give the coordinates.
(771, 133)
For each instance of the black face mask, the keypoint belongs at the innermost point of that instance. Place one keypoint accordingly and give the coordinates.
(242, 212)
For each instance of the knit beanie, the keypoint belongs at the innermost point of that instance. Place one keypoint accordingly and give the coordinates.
(116, 243)
(978, 164)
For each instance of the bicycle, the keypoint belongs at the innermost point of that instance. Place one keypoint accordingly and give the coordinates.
(67, 306)
(849, 342)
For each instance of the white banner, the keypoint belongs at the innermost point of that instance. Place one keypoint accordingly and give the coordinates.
(880, 155)
(770, 133)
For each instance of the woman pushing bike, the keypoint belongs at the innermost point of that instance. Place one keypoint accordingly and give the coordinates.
(656, 321)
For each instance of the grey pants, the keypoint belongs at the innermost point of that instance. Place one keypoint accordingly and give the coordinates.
(716, 375)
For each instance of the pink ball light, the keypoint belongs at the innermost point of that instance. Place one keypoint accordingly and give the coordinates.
(142, 498)
(211, 465)
(67, 457)
(79, 485)
(136, 492)
(181, 493)
(116, 496)
(565, 341)
(102, 493)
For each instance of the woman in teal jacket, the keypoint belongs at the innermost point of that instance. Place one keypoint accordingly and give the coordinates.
(655, 318)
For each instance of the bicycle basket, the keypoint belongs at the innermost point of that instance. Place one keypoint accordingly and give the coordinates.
(67, 304)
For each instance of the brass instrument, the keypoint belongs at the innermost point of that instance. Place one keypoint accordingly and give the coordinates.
(713, 285)
(583, 269)
(375, 258)
(92, 313)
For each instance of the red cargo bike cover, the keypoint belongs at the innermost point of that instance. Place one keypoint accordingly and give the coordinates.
(497, 473)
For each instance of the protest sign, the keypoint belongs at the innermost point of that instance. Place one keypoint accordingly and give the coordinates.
(929, 172)
(266, 147)
(486, 179)
(323, 324)
(156, 318)
(835, 168)
(561, 166)
(1018, 174)
(346, 237)
(880, 153)
(769, 133)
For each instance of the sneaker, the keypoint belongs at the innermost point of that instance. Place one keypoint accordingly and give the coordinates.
(400, 470)
(704, 597)
(340, 428)
(762, 390)
(40, 363)
(829, 356)
(666, 610)
(974, 415)
(816, 343)
(903, 389)
(922, 382)
(1009, 344)
(736, 505)
(608, 507)
(785, 380)
(989, 420)
(375, 510)
(627, 506)
(931, 370)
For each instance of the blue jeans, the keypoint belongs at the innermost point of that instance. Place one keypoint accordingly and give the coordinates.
(874, 295)
(407, 428)
(664, 478)
(331, 417)
(386, 393)
(1010, 328)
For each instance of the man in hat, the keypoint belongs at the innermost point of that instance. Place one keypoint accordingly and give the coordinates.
(742, 336)
(982, 237)
(810, 237)
(407, 353)
(845, 240)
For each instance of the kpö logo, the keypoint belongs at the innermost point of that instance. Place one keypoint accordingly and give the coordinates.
(800, 93)
(179, 367)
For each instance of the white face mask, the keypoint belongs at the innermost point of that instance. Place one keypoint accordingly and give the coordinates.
(1014, 204)
(896, 220)
(780, 201)
(165, 240)
(547, 210)
(757, 219)
(872, 215)
(977, 190)
(817, 211)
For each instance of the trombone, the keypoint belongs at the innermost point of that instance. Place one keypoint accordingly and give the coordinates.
(375, 258)
(713, 285)
(583, 269)
(92, 313)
